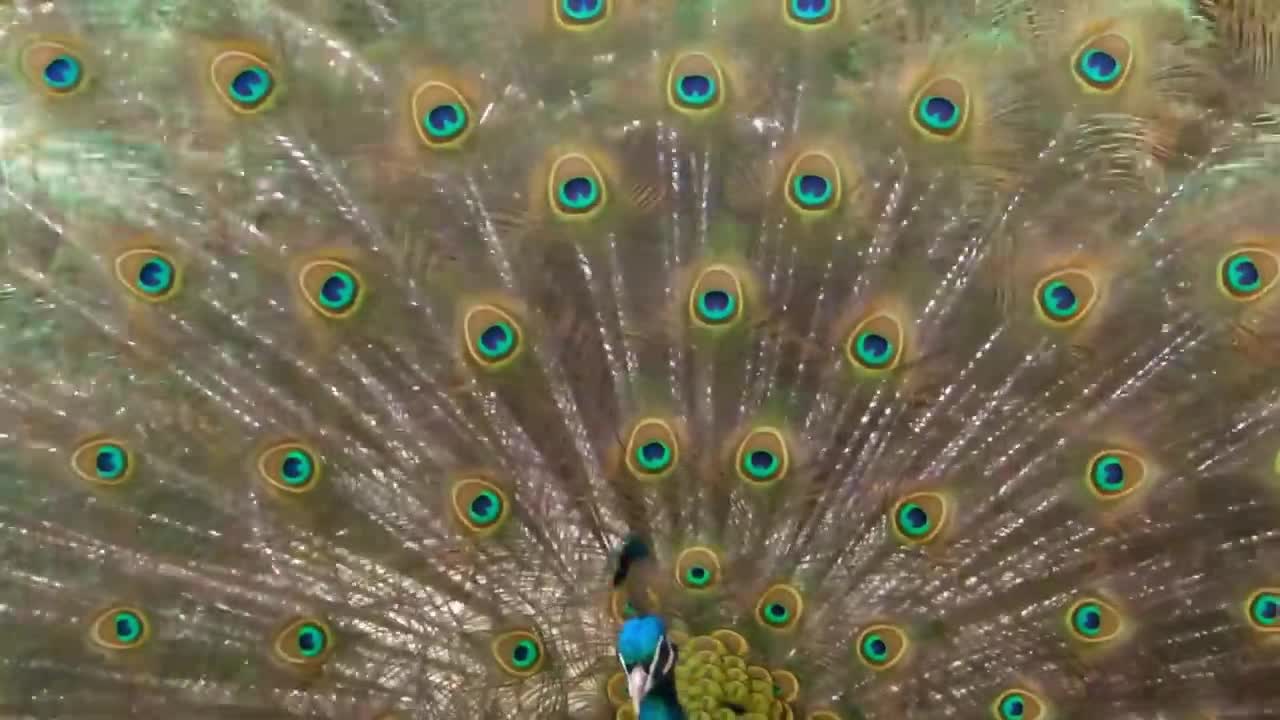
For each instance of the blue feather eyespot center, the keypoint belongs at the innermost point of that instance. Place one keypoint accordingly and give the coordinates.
(296, 468)
(716, 306)
(1108, 475)
(251, 86)
(696, 89)
(1012, 707)
(875, 649)
(311, 640)
(497, 341)
(812, 190)
(1088, 620)
(446, 121)
(485, 508)
(654, 456)
(1265, 610)
(1060, 300)
(873, 349)
(579, 193)
(110, 462)
(761, 464)
(338, 292)
(810, 10)
(582, 10)
(524, 654)
(1243, 275)
(913, 520)
(777, 613)
(128, 627)
(155, 276)
(938, 113)
(62, 73)
(1100, 67)
(697, 576)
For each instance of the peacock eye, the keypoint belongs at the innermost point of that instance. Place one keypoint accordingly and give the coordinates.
(1064, 298)
(245, 82)
(1018, 704)
(780, 607)
(1092, 620)
(103, 461)
(304, 641)
(492, 336)
(120, 627)
(875, 345)
(1263, 610)
(762, 457)
(918, 518)
(695, 84)
(577, 187)
(716, 299)
(479, 505)
(1247, 275)
(56, 69)
(881, 646)
(519, 653)
(941, 108)
(1114, 474)
(289, 466)
(579, 14)
(698, 568)
(1102, 63)
(810, 13)
(331, 288)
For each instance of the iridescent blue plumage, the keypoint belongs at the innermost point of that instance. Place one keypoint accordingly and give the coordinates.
(649, 659)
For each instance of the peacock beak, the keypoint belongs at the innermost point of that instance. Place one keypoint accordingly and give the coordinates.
(638, 685)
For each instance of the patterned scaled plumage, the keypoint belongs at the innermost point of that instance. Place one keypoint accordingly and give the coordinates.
(763, 359)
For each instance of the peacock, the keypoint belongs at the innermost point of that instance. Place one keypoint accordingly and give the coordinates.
(640, 359)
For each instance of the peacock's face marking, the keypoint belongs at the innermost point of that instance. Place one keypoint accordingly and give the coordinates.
(646, 654)
(810, 13)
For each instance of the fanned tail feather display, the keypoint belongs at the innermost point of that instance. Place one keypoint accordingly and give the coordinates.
(640, 359)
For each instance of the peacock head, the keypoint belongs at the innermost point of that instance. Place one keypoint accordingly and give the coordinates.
(647, 655)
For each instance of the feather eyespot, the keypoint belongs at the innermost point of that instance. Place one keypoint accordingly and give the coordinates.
(519, 653)
(56, 69)
(479, 505)
(244, 81)
(716, 298)
(442, 116)
(780, 607)
(290, 467)
(813, 184)
(1114, 474)
(104, 461)
(331, 288)
(941, 108)
(150, 275)
(1102, 64)
(652, 450)
(582, 14)
(880, 647)
(762, 457)
(1018, 704)
(121, 627)
(1064, 298)
(698, 568)
(492, 336)
(1248, 274)
(695, 84)
(1262, 610)
(919, 518)
(576, 187)
(1092, 620)
(304, 642)
(810, 13)
(875, 345)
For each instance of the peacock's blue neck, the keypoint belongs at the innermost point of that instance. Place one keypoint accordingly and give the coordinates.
(661, 703)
